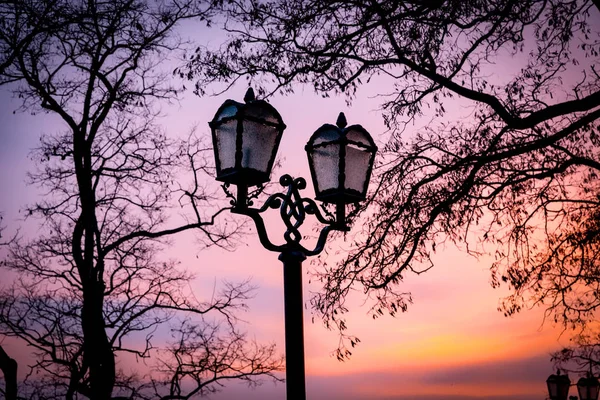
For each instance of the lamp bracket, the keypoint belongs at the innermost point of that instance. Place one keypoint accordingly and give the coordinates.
(293, 210)
(247, 197)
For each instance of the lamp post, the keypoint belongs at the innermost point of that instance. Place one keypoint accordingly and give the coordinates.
(245, 140)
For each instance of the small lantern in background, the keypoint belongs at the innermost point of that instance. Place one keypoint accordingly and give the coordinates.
(558, 386)
(588, 388)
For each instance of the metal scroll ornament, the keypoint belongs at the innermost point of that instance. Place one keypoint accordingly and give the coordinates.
(293, 209)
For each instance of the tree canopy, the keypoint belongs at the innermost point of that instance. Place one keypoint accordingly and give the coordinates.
(517, 179)
(92, 287)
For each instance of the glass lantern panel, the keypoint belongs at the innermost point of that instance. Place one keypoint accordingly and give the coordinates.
(227, 112)
(326, 161)
(262, 111)
(594, 392)
(583, 392)
(258, 144)
(357, 167)
(225, 134)
(563, 389)
(552, 390)
(327, 135)
(358, 136)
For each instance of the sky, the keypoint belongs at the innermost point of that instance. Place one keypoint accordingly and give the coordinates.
(451, 344)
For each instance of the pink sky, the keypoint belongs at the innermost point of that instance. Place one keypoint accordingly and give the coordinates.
(452, 343)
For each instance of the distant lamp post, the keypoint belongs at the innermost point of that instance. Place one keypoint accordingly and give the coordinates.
(558, 386)
(588, 388)
(245, 140)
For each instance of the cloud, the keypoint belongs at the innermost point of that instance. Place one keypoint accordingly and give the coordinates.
(529, 370)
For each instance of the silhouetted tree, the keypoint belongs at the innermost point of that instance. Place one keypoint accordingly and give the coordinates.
(8, 365)
(92, 286)
(516, 179)
(582, 357)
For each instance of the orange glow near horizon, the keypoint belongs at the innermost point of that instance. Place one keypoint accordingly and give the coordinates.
(473, 389)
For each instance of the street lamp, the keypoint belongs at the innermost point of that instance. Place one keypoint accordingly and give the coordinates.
(245, 140)
(558, 386)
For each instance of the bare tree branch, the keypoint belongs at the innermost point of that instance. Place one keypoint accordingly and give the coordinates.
(93, 276)
(516, 179)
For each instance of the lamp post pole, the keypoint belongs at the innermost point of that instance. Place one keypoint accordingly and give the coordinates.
(293, 210)
(294, 323)
(245, 140)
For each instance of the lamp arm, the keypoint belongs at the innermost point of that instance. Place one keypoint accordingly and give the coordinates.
(293, 209)
(313, 209)
(263, 236)
(321, 241)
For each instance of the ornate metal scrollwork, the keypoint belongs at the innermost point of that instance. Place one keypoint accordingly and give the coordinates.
(293, 209)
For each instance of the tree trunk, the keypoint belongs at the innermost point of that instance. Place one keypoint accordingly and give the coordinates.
(9, 369)
(96, 347)
(97, 350)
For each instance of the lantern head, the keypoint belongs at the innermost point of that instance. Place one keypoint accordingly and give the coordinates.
(558, 386)
(341, 161)
(588, 388)
(245, 140)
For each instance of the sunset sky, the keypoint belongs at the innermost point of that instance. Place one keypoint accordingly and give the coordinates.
(451, 344)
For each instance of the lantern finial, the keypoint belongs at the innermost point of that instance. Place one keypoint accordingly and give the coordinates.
(249, 96)
(341, 121)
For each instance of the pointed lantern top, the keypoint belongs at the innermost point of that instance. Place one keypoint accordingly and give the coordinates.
(341, 121)
(249, 96)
